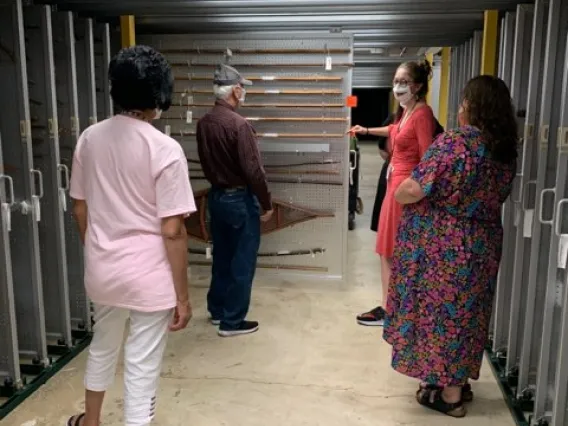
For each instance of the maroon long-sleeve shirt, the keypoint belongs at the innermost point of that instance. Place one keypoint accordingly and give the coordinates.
(229, 154)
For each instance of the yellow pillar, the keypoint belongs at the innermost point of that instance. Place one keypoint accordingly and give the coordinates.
(490, 40)
(429, 58)
(393, 103)
(127, 32)
(444, 87)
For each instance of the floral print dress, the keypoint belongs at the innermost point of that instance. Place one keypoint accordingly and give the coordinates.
(446, 260)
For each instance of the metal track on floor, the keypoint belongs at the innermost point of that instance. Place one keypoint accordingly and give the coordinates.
(507, 384)
(38, 376)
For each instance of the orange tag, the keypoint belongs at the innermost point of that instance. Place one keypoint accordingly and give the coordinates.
(351, 101)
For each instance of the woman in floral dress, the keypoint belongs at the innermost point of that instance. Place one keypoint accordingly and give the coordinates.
(448, 249)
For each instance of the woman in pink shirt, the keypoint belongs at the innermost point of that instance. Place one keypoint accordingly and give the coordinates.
(131, 193)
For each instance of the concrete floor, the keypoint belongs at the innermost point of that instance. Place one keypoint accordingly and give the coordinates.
(310, 364)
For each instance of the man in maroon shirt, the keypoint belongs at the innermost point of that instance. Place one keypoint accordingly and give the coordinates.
(230, 158)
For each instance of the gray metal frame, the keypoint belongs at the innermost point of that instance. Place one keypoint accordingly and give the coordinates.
(523, 199)
(17, 151)
(476, 53)
(545, 176)
(560, 393)
(9, 357)
(106, 57)
(554, 78)
(453, 96)
(45, 133)
(513, 58)
(67, 92)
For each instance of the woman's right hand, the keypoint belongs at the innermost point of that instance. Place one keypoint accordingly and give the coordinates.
(358, 129)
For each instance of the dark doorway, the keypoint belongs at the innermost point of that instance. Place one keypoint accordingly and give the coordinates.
(373, 106)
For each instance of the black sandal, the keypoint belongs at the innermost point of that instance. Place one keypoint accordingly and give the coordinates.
(432, 398)
(467, 393)
(76, 420)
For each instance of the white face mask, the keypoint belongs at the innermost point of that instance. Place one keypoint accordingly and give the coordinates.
(243, 96)
(402, 94)
(158, 114)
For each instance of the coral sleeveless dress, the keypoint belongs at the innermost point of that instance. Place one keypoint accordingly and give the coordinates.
(407, 145)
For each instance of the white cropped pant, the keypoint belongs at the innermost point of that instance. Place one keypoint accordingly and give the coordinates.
(143, 353)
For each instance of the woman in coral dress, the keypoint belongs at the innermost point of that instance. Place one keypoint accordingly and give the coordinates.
(409, 138)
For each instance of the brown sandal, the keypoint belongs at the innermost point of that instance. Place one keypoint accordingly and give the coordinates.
(432, 398)
(76, 420)
(467, 393)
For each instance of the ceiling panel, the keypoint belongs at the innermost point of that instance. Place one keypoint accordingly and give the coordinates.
(381, 29)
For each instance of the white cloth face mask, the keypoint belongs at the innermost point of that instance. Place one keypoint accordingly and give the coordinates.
(158, 114)
(243, 96)
(402, 94)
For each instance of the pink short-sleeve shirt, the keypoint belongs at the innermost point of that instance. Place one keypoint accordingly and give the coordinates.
(131, 176)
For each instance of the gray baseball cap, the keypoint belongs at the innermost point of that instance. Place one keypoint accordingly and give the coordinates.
(226, 75)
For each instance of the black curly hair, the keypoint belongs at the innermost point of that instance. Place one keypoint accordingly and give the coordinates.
(140, 79)
(488, 106)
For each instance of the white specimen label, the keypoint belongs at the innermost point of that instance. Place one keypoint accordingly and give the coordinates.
(168, 130)
(189, 117)
(563, 251)
(528, 223)
(208, 253)
(268, 77)
(270, 135)
(328, 63)
(272, 92)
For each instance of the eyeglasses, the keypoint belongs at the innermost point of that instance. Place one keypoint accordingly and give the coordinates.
(396, 82)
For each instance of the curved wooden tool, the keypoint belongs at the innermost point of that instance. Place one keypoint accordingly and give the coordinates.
(285, 215)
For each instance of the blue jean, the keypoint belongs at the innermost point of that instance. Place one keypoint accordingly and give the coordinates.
(235, 231)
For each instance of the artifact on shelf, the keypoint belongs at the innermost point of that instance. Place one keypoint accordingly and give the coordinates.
(285, 215)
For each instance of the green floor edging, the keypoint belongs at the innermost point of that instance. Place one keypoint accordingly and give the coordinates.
(42, 378)
(508, 394)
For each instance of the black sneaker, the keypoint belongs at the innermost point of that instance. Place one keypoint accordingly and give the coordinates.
(375, 317)
(246, 327)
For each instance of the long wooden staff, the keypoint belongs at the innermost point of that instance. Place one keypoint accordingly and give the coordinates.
(268, 266)
(280, 135)
(281, 119)
(308, 252)
(199, 50)
(267, 166)
(265, 105)
(291, 181)
(189, 64)
(276, 91)
(314, 78)
(290, 172)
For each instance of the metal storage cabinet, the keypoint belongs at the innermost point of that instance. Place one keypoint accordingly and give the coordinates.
(513, 30)
(534, 337)
(523, 196)
(476, 53)
(9, 359)
(68, 117)
(554, 275)
(86, 76)
(558, 275)
(102, 59)
(15, 123)
(45, 137)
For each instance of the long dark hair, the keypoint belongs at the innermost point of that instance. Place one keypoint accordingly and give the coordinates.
(420, 72)
(488, 106)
